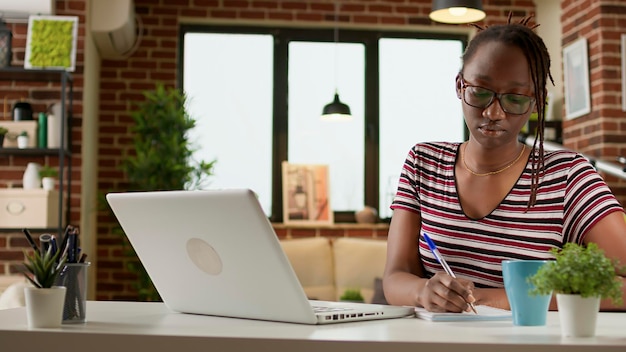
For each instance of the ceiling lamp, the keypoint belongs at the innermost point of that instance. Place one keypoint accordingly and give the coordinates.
(336, 110)
(457, 11)
(336, 107)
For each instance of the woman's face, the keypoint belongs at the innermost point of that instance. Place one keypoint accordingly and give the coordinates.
(503, 69)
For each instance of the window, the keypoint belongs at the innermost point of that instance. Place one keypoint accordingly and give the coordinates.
(257, 94)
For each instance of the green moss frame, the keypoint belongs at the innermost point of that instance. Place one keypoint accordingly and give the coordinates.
(51, 42)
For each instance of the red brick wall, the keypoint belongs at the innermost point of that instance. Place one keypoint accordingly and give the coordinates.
(601, 133)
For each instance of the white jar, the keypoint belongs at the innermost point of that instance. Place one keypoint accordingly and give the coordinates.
(31, 178)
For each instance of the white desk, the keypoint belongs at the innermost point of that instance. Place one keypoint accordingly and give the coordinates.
(147, 327)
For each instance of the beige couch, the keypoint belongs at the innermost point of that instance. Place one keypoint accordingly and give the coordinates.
(327, 267)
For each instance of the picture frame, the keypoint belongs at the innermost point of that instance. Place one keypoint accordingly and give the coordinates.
(576, 76)
(623, 52)
(306, 194)
(51, 43)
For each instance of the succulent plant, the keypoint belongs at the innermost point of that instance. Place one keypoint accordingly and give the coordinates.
(43, 270)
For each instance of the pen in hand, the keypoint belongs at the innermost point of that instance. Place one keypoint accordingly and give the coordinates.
(443, 262)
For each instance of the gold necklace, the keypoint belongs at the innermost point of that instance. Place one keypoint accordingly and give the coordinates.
(491, 172)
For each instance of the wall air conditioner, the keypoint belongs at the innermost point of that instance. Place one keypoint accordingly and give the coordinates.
(113, 27)
(19, 10)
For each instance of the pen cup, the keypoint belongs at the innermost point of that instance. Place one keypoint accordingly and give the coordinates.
(527, 309)
(74, 278)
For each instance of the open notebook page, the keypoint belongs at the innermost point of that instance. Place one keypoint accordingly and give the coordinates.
(485, 313)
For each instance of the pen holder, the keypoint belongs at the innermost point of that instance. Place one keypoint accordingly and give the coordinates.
(74, 278)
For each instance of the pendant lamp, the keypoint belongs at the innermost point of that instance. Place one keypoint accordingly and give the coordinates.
(457, 11)
(336, 109)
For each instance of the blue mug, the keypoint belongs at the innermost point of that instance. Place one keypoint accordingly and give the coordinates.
(527, 309)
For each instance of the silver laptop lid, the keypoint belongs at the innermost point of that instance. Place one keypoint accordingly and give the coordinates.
(212, 252)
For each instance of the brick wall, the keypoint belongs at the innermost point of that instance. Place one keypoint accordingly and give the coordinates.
(601, 133)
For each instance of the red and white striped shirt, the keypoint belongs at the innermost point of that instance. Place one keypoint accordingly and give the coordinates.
(571, 198)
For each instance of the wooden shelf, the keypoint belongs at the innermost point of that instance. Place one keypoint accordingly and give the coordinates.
(22, 74)
(32, 152)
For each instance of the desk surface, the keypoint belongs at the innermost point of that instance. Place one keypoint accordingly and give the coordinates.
(117, 326)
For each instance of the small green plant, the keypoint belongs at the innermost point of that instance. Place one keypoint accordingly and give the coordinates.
(352, 294)
(42, 271)
(48, 171)
(583, 270)
(3, 130)
(24, 134)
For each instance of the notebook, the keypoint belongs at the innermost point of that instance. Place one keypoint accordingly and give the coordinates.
(485, 313)
(214, 252)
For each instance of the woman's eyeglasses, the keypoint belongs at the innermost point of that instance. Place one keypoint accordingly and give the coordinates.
(479, 97)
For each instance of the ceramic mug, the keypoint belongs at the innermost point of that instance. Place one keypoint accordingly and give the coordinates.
(527, 309)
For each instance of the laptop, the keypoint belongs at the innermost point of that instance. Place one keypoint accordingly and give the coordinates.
(214, 252)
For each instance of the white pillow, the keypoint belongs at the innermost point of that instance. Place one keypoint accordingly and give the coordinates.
(13, 296)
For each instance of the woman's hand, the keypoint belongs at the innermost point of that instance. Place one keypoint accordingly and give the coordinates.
(443, 293)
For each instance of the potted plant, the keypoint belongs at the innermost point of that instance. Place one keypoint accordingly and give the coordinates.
(580, 276)
(3, 132)
(161, 158)
(44, 300)
(48, 175)
(22, 140)
(352, 295)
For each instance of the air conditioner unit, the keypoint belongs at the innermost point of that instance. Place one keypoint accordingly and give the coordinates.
(16, 10)
(113, 27)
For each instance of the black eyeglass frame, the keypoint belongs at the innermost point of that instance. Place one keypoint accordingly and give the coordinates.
(494, 95)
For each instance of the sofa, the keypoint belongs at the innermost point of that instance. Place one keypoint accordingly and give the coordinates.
(327, 267)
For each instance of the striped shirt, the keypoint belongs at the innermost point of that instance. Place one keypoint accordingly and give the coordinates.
(571, 198)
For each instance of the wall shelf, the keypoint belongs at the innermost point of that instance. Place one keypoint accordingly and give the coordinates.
(66, 88)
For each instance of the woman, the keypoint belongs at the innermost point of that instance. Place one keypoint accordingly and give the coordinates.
(492, 198)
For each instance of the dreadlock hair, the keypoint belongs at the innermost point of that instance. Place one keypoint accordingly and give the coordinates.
(523, 36)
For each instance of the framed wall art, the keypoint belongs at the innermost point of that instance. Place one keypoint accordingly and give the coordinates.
(306, 194)
(576, 75)
(51, 42)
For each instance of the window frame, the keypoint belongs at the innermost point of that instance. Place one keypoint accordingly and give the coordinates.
(282, 37)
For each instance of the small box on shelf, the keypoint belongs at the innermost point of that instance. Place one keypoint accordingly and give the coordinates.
(31, 208)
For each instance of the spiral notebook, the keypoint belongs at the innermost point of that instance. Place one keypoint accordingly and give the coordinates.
(485, 313)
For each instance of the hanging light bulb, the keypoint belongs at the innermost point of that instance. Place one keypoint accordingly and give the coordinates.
(336, 109)
(457, 11)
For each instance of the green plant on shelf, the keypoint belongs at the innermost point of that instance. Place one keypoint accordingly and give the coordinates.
(48, 171)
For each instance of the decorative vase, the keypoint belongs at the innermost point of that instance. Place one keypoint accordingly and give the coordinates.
(31, 179)
(48, 183)
(22, 142)
(578, 315)
(44, 306)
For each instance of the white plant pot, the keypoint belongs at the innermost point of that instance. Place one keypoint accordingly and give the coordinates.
(48, 183)
(44, 306)
(578, 315)
(22, 142)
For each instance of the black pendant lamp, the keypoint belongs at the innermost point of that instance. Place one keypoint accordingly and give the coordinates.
(336, 109)
(457, 11)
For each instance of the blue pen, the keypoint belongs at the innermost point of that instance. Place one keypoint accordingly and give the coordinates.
(442, 261)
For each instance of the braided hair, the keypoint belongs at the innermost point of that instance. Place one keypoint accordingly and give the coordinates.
(523, 36)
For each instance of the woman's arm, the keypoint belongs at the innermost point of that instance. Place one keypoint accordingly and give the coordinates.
(610, 236)
(403, 280)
